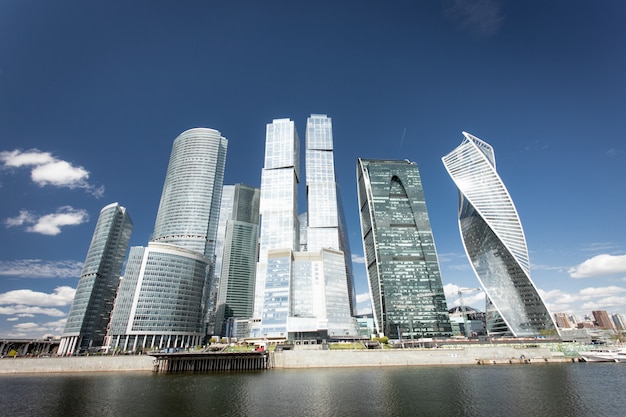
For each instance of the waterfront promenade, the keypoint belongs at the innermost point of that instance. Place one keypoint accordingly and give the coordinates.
(304, 358)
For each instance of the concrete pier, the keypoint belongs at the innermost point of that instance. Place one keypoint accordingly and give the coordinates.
(289, 359)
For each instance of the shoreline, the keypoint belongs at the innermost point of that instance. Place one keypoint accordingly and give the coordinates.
(303, 359)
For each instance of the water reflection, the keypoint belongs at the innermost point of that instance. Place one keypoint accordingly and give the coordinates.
(517, 390)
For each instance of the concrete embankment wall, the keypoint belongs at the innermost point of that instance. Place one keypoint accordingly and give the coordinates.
(299, 358)
(76, 364)
(408, 357)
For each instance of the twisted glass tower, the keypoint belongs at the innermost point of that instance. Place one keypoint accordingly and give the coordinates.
(495, 244)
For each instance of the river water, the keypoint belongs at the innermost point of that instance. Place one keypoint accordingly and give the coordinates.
(567, 389)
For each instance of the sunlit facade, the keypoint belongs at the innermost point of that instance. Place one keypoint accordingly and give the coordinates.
(303, 270)
(164, 295)
(89, 315)
(495, 244)
(160, 300)
(404, 278)
(278, 208)
(325, 218)
(189, 208)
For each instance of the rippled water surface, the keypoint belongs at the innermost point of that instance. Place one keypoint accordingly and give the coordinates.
(518, 390)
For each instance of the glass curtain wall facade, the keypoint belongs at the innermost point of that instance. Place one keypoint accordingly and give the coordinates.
(326, 224)
(495, 244)
(89, 315)
(238, 255)
(304, 273)
(403, 269)
(164, 295)
(278, 208)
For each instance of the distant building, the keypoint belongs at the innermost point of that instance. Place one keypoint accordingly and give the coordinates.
(562, 321)
(163, 299)
(238, 254)
(460, 317)
(494, 241)
(619, 320)
(402, 266)
(89, 315)
(602, 319)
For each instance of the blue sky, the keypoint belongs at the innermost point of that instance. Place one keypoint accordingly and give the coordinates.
(92, 94)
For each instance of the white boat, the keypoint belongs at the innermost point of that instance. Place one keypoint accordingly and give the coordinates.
(620, 356)
(599, 355)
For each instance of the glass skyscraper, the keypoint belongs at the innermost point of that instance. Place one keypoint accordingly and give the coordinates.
(326, 226)
(278, 208)
(404, 279)
(236, 255)
(163, 297)
(494, 241)
(89, 315)
(304, 281)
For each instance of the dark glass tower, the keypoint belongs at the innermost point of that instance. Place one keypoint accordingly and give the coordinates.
(402, 266)
(235, 297)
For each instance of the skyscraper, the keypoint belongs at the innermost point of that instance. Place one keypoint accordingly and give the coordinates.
(304, 281)
(278, 208)
(402, 266)
(91, 309)
(237, 256)
(162, 300)
(326, 226)
(495, 244)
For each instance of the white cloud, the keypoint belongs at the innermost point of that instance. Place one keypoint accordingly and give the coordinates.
(48, 170)
(59, 173)
(483, 17)
(12, 319)
(62, 296)
(358, 259)
(601, 291)
(38, 330)
(38, 268)
(24, 217)
(49, 224)
(363, 297)
(364, 305)
(599, 265)
(26, 326)
(18, 158)
(30, 311)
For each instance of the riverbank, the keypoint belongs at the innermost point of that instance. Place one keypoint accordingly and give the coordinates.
(302, 358)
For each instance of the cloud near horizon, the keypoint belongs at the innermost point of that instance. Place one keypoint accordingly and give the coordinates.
(48, 170)
(48, 224)
(39, 268)
(600, 265)
(62, 296)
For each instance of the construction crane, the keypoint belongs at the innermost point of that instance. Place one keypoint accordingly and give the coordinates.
(468, 331)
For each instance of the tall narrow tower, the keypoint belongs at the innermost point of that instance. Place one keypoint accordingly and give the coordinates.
(326, 226)
(402, 266)
(91, 310)
(237, 257)
(162, 300)
(495, 244)
(278, 204)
